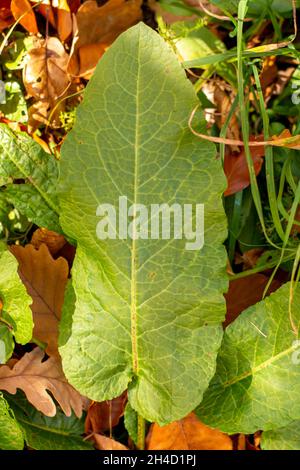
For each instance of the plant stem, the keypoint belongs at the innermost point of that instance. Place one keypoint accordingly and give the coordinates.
(9, 326)
(141, 425)
(260, 268)
(39, 343)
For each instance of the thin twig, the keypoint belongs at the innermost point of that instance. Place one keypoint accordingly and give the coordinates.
(220, 140)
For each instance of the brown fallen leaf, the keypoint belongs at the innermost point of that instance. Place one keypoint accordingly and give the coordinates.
(105, 415)
(22, 10)
(249, 258)
(45, 78)
(187, 434)
(106, 443)
(45, 280)
(36, 378)
(54, 241)
(245, 292)
(64, 19)
(45, 9)
(97, 27)
(224, 103)
(236, 169)
(6, 17)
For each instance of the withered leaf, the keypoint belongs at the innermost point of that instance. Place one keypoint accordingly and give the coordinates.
(236, 169)
(45, 280)
(105, 415)
(45, 76)
(106, 443)
(98, 27)
(245, 292)
(36, 378)
(6, 18)
(22, 10)
(54, 241)
(187, 434)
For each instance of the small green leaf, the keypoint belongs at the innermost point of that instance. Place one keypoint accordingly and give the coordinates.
(15, 107)
(131, 422)
(22, 158)
(287, 438)
(65, 324)
(257, 383)
(44, 433)
(140, 303)
(11, 436)
(6, 343)
(16, 302)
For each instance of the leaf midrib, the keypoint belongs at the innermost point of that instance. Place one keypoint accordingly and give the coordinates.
(133, 313)
(261, 366)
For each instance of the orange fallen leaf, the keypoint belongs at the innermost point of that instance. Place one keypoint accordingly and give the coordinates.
(35, 378)
(105, 415)
(45, 280)
(45, 9)
(187, 434)
(22, 10)
(100, 25)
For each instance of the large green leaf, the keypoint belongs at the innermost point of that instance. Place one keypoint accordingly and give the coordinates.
(11, 436)
(23, 158)
(16, 302)
(287, 438)
(44, 433)
(257, 383)
(148, 312)
(256, 7)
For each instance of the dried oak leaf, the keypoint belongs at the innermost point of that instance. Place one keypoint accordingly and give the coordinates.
(96, 28)
(105, 415)
(22, 11)
(45, 280)
(36, 378)
(45, 78)
(54, 241)
(187, 434)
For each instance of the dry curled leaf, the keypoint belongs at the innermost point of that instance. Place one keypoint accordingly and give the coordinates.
(36, 378)
(104, 416)
(287, 140)
(54, 241)
(187, 434)
(22, 10)
(97, 28)
(45, 280)
(106, 443)
(45, 77)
